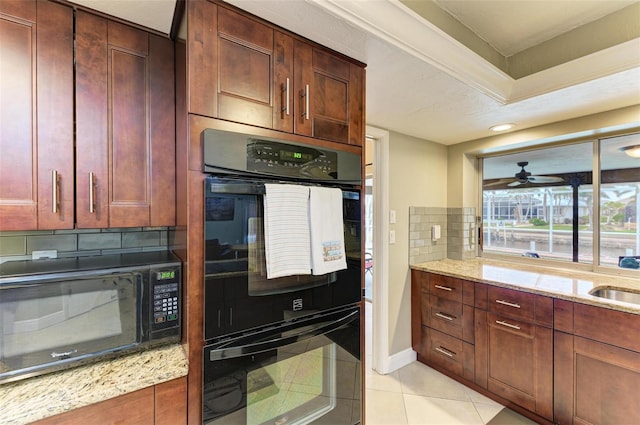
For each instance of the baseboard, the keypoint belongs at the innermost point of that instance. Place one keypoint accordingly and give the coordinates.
(399, 360)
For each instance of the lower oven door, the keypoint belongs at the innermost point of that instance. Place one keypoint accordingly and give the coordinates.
(303, 372)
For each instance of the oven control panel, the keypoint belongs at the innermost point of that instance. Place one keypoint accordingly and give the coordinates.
(165, 288)
(284, 159)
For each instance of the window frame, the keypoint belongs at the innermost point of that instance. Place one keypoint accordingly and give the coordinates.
(596, 265)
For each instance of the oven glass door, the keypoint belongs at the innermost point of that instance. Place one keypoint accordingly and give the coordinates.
(238, 296)
(59, 321)
(308, 374)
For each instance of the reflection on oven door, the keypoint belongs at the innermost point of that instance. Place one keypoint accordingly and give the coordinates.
(312, 381)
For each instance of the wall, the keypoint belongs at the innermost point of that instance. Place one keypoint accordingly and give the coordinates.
(462, 165)
(417, 176)
(71, 243)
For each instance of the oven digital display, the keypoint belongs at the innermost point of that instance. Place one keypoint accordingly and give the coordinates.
(167, 274)
(295, 156)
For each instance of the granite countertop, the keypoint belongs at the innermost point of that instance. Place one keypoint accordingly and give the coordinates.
(549, 281)
(37, 398)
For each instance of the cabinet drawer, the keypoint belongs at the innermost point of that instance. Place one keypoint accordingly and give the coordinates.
(449, 353)
(446, 287)
(522, 328)
(450, 317)
(507, 302)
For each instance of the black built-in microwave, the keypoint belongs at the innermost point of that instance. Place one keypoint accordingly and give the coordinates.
(60, 313)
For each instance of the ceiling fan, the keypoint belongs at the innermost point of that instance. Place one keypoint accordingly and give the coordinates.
(523, 177)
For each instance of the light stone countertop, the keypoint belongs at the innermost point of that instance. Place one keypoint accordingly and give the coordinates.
(36, 398)
(554, 282)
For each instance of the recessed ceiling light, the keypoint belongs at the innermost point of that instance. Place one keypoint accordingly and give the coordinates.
(633, 151)
(501, 127)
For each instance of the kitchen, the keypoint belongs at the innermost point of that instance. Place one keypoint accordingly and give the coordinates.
(460, 191)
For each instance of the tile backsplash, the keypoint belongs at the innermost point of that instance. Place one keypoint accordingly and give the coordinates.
(457, 234)
(71, 243)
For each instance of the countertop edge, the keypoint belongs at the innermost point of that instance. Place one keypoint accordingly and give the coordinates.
(48, 395)
(448, 268)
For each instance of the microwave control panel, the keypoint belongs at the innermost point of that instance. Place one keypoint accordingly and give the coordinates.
(165, 287)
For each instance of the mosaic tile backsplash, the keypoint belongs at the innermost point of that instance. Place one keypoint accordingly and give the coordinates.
(457, 239)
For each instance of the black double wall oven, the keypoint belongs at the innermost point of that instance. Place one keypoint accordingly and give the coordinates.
(283, 350)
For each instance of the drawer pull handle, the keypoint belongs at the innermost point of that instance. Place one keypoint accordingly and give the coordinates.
(444, 288)
(445, 316)
(509, 325)
(445, 352)
(507, 303)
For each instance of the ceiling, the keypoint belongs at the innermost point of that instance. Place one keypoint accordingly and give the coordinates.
(423, 82)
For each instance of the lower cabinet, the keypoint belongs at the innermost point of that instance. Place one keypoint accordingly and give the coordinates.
(554, 360)
(162, 404)
(597, 365)
(514, 360)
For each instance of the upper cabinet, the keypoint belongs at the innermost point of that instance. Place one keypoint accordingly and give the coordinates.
(122, 170)
(125, 126)
(36, 116)
(247, 71)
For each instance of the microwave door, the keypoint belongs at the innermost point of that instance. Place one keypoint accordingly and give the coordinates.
(58, 321)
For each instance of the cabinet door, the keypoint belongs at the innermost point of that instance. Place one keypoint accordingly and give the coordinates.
(240, 71)
(328, 96)
(514, 359)
(595, 383)
(171, 402)
(125, 121)
(36, 116)
(136, 408)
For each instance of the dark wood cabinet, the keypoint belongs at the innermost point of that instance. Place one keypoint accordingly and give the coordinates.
(245, 70)
(125, 126)
(162, 404)
(514, 347)
(597, 365)
(36, 118)
(443, 309)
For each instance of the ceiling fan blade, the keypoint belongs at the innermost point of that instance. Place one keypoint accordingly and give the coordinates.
(497, 183)
(545, 179)
(515, 183)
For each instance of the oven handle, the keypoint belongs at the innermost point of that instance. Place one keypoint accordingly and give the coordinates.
(270, 344)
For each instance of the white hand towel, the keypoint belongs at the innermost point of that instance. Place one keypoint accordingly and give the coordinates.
(286, 230)
(327, 230)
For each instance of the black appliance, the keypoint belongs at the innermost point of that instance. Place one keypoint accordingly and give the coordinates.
(60, 313)
(252, 323)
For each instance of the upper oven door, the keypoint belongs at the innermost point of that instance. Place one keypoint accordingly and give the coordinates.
(238, 295)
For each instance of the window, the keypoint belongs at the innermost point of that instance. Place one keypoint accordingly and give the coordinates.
(544, 203)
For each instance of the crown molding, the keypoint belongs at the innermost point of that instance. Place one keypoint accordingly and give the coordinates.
(403, 28)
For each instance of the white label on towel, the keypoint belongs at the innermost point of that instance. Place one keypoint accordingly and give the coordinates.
(331, 250)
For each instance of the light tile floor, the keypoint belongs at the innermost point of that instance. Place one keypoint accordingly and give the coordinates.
(419, 395)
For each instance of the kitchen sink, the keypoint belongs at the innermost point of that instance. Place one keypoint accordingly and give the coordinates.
(617, 294)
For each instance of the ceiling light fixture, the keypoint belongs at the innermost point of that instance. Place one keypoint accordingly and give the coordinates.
(501, 127)
(633, 151)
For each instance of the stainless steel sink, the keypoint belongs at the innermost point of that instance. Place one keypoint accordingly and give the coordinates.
(618, 294)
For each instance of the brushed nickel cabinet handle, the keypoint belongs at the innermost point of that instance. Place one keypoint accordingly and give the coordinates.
(285, 90)
(445, 316)
(509, 325)
(507, 303)
(305, 94)
(444, 288)
(92, 194)
(55, 188)
(445, 352)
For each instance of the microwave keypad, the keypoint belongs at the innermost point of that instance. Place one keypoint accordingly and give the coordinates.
(165, 303)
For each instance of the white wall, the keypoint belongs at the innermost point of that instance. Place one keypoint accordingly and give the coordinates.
(417, 177)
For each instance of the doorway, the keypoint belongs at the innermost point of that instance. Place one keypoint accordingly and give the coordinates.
(376, 246)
